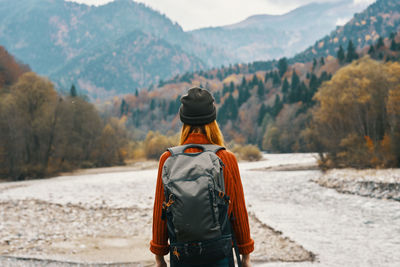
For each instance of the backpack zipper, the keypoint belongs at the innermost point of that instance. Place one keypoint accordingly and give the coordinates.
(211, 193)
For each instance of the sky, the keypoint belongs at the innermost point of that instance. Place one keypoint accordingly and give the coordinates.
(194, 14)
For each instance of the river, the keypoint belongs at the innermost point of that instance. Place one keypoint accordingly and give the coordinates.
(340, 229)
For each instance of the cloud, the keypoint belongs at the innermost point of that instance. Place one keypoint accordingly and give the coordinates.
(91, 2)
(342, 21)
(363, 2)
(205, 13)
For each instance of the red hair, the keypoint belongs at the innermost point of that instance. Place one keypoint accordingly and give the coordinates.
(211, 130)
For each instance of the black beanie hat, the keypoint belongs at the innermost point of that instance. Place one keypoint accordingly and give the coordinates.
(197, 107)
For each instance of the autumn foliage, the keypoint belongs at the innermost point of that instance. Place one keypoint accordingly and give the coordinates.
(42, 133)
(357, 119)
(10, 69)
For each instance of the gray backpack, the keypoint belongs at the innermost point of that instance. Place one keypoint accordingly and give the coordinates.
(196, 207)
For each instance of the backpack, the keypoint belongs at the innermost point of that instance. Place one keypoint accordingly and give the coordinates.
(196, 207)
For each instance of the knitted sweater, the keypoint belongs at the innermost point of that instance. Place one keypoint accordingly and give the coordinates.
(233, 188)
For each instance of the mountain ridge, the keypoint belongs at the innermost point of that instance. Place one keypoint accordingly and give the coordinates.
(53, 35)
(267, 37)
(380, 19)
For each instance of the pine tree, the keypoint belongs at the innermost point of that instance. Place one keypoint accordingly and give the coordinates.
(267, 76)
(351, 52)
(231, 87)
(322, 61)
(302, 93)
(314, 84)
(225, 89)
(246, 93)
(232, 107)
(340, 55)
(243, 83)
(240, 96)
(295, 79)
(276, 80)
(282, 66)
(217, 97)
(261, 114)
(293, 94)
(123, 108)
(380, 43)
(393, 45)
(278, 105)
(254, 81)
(371, 50)
(285, 86)
(219, 75)
(174, 105)
(261, 89)
(152, 104)
(72, 91)
(314, 64)
(228, 110)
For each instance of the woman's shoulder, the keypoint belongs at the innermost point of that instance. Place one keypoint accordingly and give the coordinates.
(226, 154)
(164, 157)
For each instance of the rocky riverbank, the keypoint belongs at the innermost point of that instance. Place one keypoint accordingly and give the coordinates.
(381, 184)
(99, 219)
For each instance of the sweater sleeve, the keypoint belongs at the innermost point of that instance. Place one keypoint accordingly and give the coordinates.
(240, 220)
(159, 243)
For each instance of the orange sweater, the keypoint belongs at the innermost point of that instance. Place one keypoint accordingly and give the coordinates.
(233, 188)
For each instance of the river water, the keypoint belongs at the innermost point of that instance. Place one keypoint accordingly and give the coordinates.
(341, 229)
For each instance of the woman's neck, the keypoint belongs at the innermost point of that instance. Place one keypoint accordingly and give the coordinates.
(197, 130)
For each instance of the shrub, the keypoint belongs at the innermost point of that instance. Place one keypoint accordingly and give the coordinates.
(155, 144)
(247, 152)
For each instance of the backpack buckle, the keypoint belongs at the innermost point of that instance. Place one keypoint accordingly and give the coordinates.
(170, 200)
(176, 253)
(224, 197)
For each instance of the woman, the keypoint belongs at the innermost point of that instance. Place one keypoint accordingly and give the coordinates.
(198, 114)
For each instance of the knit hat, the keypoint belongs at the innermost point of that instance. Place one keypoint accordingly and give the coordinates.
(197, 107)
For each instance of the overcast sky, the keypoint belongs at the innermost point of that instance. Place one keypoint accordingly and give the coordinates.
(194, 14)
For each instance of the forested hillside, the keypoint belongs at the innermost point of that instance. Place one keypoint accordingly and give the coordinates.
(271, 109)
(379, 20)
(77, 43)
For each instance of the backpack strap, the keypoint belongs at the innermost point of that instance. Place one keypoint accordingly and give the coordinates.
(235, 246)
(205, 147)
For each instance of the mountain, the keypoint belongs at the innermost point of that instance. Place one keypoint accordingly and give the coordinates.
(265, 37)
(124, 65)
(53, 35)
(380, 19)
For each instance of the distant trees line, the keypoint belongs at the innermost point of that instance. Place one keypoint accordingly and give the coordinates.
(42, 132)
(235, 102)
(277, 110)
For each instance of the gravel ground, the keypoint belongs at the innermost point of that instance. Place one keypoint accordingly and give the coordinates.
(381, 184)
(99, 219)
